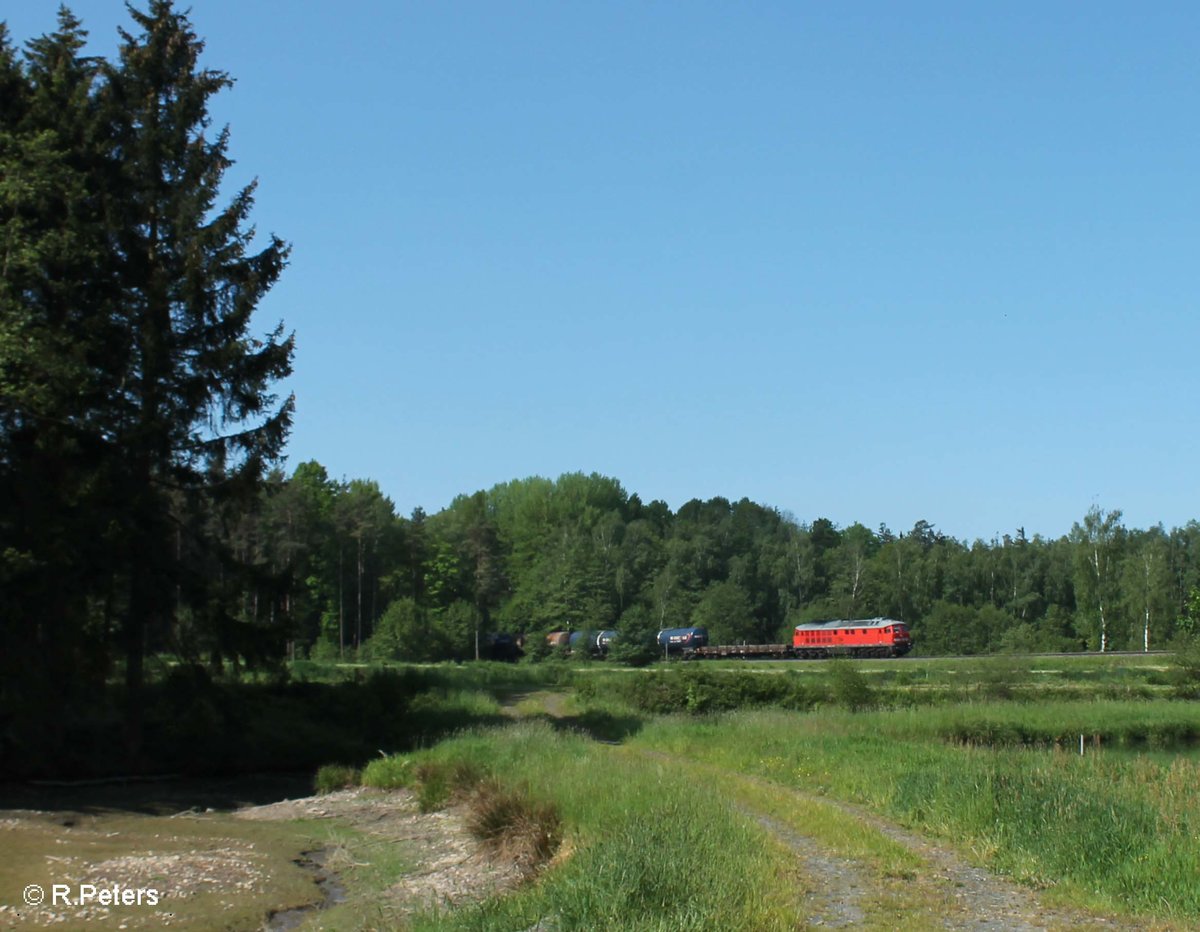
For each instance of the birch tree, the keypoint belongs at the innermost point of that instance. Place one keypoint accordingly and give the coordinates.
(1097, 542)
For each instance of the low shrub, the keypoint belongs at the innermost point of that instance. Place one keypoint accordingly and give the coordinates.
(698, 690)
(335, 777)
(1185, 671)
(848, 687)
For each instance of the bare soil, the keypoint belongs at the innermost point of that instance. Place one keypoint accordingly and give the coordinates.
(238, 870)
(189, 870)
(447, 866)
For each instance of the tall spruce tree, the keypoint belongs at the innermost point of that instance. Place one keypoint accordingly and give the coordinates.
(194, 415)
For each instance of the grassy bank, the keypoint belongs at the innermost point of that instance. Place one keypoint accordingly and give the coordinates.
(643, 848)
(310, 713)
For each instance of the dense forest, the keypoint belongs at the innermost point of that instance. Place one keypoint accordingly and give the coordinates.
(352, 579)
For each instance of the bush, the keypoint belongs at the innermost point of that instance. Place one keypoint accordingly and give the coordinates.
(849, 687)
(335, 777)
(1185, 670)
(697, 689)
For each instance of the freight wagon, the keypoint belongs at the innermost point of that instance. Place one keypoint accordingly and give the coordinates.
(682, 640)
(593, 642)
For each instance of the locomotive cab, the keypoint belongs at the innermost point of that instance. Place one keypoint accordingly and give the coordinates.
(901, 639)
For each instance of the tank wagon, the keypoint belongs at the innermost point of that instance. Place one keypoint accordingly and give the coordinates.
(604, 640)
(682, 640)
(593, 642)
(863, 637)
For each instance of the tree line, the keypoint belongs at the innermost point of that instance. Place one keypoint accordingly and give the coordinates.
(581, 553)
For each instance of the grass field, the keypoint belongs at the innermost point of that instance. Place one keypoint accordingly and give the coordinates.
(732, 795)
(990, 765)
(1110, 831)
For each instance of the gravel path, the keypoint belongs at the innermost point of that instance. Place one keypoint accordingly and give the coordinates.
(985, 901)
(962, 897)
(837, 902)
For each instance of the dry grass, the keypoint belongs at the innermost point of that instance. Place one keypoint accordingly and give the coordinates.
(513, 825)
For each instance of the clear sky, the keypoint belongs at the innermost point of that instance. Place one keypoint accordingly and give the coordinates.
(874, 262)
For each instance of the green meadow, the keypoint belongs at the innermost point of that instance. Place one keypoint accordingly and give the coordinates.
(660, 782)
(739, 795)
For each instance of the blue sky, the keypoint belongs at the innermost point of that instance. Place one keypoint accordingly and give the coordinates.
(874, 262)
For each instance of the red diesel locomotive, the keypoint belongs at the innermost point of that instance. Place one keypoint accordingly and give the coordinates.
(867, 637)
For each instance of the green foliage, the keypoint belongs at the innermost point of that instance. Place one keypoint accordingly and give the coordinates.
(724, 610)
(637, 643)
(332, 777)
(1188, 624)
(959, 629)
(578, 553)
(199, 725)
(698, 689)
(405, 633)
(389, 773)
(138, 415)
(849, 688)
(1186, 669)
(1099, 542)
(438, 783)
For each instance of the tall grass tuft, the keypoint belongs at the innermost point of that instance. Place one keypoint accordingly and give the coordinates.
(513, 824)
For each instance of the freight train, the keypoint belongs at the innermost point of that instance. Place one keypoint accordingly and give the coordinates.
(864, 637)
